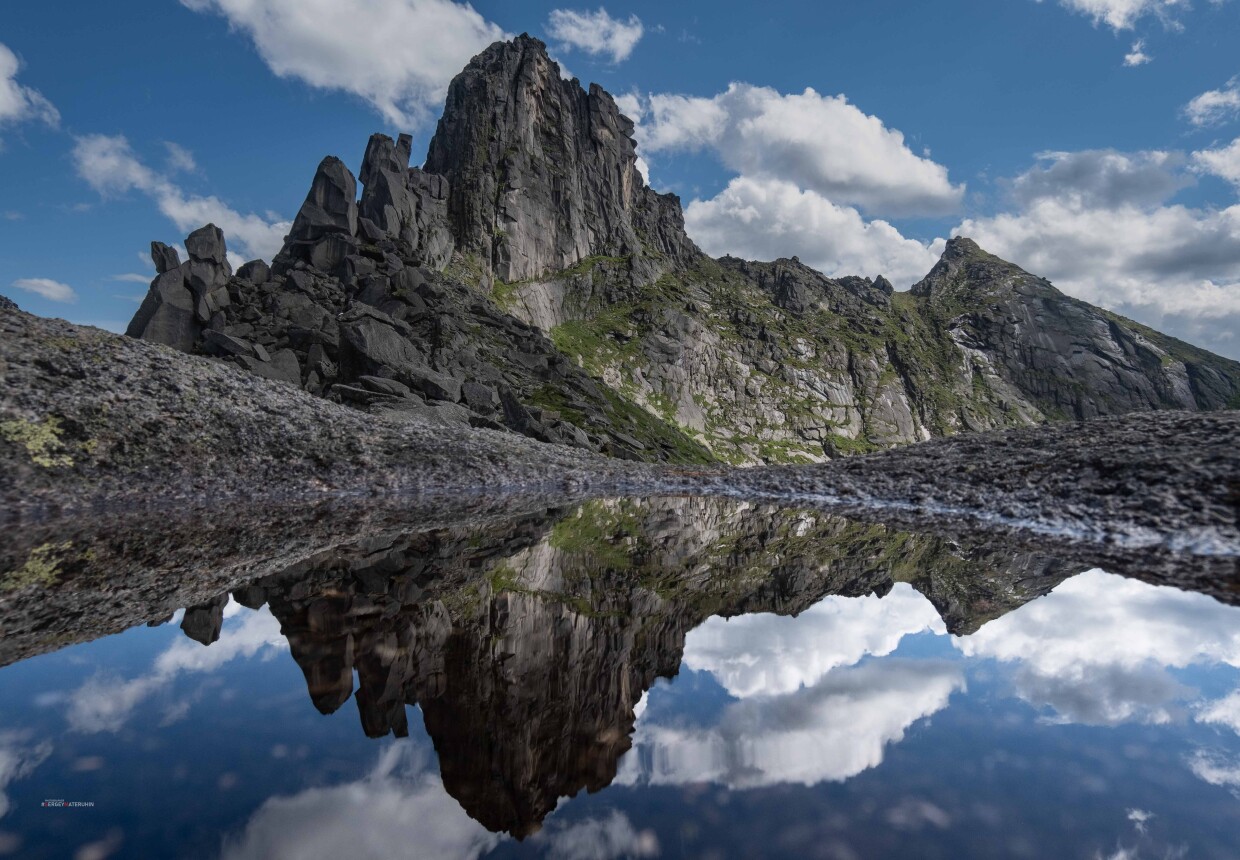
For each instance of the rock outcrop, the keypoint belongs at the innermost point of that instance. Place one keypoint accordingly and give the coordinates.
(185, 297)
(527, 278)
(543, 174)
(355, 307)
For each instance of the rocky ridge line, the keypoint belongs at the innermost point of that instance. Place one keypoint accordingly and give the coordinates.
(527, 278)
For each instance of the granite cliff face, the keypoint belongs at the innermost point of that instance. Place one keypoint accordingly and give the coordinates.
(543, 174)
(527, 278)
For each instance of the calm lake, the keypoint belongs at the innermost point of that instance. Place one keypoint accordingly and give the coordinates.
(622, 678)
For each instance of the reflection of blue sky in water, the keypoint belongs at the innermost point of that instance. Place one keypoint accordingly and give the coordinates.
(812, 700)
(401, 806)
(105, 702)
(1099, 647)
(805, 713)
(1109, 699)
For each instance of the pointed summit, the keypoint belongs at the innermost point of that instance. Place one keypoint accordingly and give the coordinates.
(543, 173)
(966, 273)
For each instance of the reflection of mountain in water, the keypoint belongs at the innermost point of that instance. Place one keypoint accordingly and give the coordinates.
(528, 646)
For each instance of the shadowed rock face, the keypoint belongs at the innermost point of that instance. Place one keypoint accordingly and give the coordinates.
(1060, 355)
(527, 647)
(543, 173)
(527, 278)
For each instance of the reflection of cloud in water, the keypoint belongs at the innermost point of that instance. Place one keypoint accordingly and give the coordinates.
(399, 809)
(1096, 649)
(103, 704)
(1216, 769)
(772, 654)
(18, 758)
(803, 717)
(606, 838)
(830, 731)
(1224, 712)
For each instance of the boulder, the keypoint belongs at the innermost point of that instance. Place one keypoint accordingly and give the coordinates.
(167, 313)
(331, 205)
(436, 386)
(379, 385)
(165, 257)
(206, 244)
(203, 622)
(255, 271)
(217, 343)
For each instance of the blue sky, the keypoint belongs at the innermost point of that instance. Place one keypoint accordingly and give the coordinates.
(1096, 142)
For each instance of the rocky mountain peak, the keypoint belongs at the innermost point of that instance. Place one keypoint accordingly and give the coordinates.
(968, 274)
(542, 173)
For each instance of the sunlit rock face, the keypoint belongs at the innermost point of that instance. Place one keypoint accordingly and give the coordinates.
(527, 648)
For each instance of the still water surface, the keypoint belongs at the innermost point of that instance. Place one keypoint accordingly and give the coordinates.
(641, 678)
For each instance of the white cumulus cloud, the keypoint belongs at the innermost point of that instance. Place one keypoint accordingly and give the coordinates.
(1223, 712)
(806, 713)
(1216, 769)
(608, 838)
(53, 291)
(1223, 162)
(398, 55)
(110, 166)
(766, 219)
(1097, 224)
(20, 103)
(831, 731)
(820, 143)
(1137, 56)
(1123, 14)
(595, 33)
(399, 809)
(1076, 651)
(104, 704)
(19, 756)
(765, 654)
(1215, 106)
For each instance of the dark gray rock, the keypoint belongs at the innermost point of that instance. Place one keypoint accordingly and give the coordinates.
(206, 244)
(218, 343)
(482, 399)
(166, 314)
(255, 271)
(203, 622)
(165, 257)
(542, 174)
(390, 387)
(436, 386)
(328, 215)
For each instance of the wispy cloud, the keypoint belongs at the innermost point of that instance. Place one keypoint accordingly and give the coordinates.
(596, 33)
(53, 291)
(111, 167)
(1215, 106)
(397, 55)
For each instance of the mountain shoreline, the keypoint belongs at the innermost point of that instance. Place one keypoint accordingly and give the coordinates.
(94, 424)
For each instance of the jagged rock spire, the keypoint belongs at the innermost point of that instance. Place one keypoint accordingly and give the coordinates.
(184, 297)
(543, 173)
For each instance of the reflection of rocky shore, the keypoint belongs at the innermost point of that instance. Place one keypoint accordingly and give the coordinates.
(65, 582)
(527, 646)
